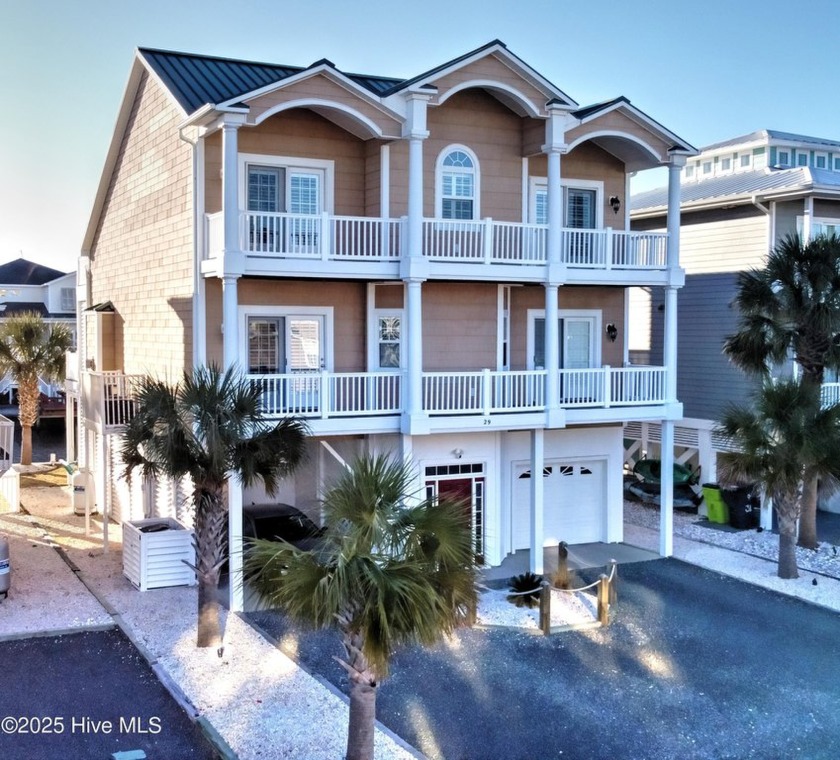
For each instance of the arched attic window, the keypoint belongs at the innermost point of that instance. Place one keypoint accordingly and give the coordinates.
(457, 183)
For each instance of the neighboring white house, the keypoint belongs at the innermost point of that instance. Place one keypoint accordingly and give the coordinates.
(738, 198)
(27, 286)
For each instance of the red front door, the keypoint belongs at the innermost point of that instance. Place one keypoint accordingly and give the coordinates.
(461, 489)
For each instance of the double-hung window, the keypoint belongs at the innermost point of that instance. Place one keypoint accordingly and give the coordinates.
(458, 184)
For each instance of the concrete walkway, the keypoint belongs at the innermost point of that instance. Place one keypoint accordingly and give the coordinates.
(252, 700)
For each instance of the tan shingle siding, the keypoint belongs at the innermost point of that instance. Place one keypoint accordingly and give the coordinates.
(142, 253)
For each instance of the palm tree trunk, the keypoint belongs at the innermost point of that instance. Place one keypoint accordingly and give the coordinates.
(27, 415)
(210, 533)
(361, 727)
(362, 722)
(787, 543)
(808, 520)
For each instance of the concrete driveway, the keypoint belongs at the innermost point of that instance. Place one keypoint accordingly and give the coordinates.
(695, 665)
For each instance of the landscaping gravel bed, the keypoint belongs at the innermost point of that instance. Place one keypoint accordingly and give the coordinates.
(760, 543)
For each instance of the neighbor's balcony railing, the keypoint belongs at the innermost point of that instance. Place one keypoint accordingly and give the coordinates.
(344, 238)
(830, 393)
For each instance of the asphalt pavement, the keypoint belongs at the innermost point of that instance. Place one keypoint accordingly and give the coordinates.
(89, 695)
(695, 665)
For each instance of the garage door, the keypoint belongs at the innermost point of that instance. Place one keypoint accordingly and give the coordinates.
(575, 507)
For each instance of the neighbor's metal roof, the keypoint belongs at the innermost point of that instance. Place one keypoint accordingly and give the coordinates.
(731, 186)
(765, 135)
(196, 80)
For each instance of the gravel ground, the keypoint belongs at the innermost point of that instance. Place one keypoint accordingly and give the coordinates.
(824, 560)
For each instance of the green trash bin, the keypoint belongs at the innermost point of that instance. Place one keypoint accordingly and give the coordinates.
(716, 508)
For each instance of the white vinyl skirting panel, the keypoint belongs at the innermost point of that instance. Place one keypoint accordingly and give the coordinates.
(158, 559)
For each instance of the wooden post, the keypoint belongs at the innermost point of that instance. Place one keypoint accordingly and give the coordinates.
(604, 600)
(545, 607)
(613, 581)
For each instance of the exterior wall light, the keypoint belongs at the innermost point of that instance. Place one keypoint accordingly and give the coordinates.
(615, 203)
(612, 332)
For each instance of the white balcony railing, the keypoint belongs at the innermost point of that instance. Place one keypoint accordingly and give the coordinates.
(347, 238)
(329, 395)
(605, 387)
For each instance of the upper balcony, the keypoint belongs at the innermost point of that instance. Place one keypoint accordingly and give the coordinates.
(327, 245)
(372, 402)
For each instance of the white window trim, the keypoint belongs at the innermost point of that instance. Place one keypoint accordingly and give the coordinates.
(800, 154)
(290, 164)
(788, 162)
(249, 311)
(373, 338)
(439, 168)
(744, 167)
(817, 157)
(726, 170)
(836, 163)
(541, 183)
(594, 314)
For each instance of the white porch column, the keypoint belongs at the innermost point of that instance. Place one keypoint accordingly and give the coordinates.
(230, 190)
(236, 591)
(807, 220)
(552, 355)
(537, 499)
(414, 267)
(414, 419)
(670, 345)
(385, 181)
(674, 170)
(230, 309)
(666, 511)
(555, 145)
(676, 279)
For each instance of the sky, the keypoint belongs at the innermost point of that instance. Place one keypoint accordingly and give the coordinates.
(707, 70)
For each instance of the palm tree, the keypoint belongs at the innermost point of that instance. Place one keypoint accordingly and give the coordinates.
(206, 428)
(31, 349)
(785, 440)
(792, 306)
(390, 570)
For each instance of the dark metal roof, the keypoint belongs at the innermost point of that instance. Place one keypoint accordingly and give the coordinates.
(740, 184)
(23, 272)
(582, 113)
(196, 80)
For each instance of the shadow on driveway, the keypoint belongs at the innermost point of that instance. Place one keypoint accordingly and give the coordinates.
(88, 695)
(694, 665)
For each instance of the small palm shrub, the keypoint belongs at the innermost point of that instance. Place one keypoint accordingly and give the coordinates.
(525, 582)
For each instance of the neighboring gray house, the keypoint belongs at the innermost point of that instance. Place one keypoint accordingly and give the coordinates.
(738, 199)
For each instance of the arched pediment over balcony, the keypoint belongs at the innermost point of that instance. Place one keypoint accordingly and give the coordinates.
(333, 100)
(494, 69)
(622, 130)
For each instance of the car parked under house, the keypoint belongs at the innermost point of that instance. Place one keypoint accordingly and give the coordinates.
(435, 267)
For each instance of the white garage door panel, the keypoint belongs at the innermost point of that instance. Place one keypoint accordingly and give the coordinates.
(574, 509)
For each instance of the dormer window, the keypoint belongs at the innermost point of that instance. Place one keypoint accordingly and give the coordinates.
(802, 159)
(726, 164)
(783, 157)
(689, 172)
(707, 167)
(821, 160)
(745, 161)
(457, 184)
